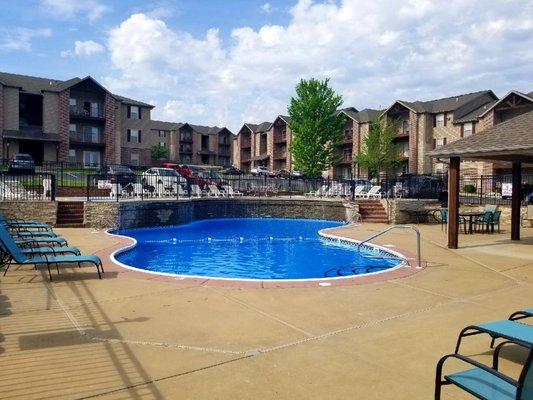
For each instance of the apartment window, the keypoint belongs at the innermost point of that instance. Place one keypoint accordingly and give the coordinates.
(134, 159)
(72, 129)
(91, 134)
(134, 112)
(91, 158)
(162, 144)
(439, 120)
(72, 155)
(440, 142)
(134, 136)
(347, 154)
(468, 129)
(162, 134)
(404, 148)
(406, 127)
(72, 103)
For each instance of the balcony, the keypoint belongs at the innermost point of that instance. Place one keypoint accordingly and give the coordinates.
(223, 151)
(86, 139)
(246, 144)
(91, 113)
(186, 150)
(186, 138)
(348, 138)
(280, 138)
(280, 155)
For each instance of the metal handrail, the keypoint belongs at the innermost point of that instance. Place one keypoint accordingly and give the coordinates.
(413, 228)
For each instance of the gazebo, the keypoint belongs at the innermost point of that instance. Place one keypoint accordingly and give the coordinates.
(510, 141)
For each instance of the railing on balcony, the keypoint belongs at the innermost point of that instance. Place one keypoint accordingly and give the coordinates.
(281, 138)
(223, 151)
(186, 150)
(186, 138)
(348, 137)
(88, 112)
(246, 143)
(86, 137)
(280, 155)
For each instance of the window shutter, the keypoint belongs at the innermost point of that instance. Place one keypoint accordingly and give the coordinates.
(434, 143)
(139, 136)
(139, 108)
(462, 130)
(445, 118)
(129, 111)
(129, 134)
(444, 141)
(473, 128)
(434, 120)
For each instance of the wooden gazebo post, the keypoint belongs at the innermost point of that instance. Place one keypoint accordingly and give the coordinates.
(515, 201)
(453, 202)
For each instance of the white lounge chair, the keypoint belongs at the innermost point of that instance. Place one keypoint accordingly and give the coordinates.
(47, 187)
(374, 192)
(230, 192)
(177, 188)
(214, 191)
(116, 190)
(196, 191)
(527, 216)
(138, 190)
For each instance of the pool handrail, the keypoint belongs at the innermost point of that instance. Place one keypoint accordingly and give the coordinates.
(413, 228)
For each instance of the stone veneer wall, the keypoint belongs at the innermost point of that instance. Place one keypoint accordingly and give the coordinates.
(110, 130)
(63, 125)
(395, 207)
(136, 214)
(42, 211)
(101, 214)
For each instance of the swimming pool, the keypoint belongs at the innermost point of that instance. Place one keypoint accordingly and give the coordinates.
(250, 248)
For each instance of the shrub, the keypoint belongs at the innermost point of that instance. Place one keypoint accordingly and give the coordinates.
(469, 188)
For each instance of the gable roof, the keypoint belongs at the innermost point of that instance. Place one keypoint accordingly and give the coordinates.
(165, 126)
(209, 130)
(446, 104)
(37, 85)
(475, 114)
(367, 115)
(510, 138)
(258, 128)
(528, 97)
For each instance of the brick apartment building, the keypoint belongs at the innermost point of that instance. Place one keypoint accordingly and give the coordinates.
(80, 121)
(422, 127)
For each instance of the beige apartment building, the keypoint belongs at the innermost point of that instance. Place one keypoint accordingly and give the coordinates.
(421, 127)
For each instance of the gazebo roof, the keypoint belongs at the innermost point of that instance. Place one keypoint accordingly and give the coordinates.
(511, 140)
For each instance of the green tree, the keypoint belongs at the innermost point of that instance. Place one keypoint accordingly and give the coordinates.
(159, 152)
(316, 126)
(379, 152)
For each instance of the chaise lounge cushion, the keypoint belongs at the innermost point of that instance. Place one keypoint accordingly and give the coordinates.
(482, 383)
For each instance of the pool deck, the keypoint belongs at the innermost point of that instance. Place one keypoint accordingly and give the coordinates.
(133, 336)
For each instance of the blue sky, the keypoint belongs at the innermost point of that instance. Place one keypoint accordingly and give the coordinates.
(229, 62)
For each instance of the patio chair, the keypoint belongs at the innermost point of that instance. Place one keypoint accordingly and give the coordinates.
(495, 220)
(59, 241)
(18, 257)
(521, 314)
(178, 189)
(14, 223)
(359, 189)
(47, 188)
(441, 216)
(485, 382)
(483, 222)
(527, 216)
(18, 191)
(490, 208)
(25, 233)
(214, 191)
(517, 332)
(319, 192)
(375, 192)
(138, 190)
(38, 250)
(116, 190)
(196, 191)
(231, 192)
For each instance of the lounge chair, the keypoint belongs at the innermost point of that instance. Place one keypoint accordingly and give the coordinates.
(527, 216)
(178, 189)
(59, 241)
(116, 190)
(214, 191)
(319, 192)
(374, 192)
(485, 382)
(527, 313)
(230, 192)
(39, 250)
(18, 257)
(13, 223)
(196, 191)
(505, 329)
(25, 233)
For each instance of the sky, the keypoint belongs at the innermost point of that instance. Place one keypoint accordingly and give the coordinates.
(226, 62)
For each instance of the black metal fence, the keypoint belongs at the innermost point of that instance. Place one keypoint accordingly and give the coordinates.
(24, 187)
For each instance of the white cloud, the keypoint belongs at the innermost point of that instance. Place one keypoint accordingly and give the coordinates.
(266, 8)
(374, 52)
(85, 48)
(20, 38)
(68, 9)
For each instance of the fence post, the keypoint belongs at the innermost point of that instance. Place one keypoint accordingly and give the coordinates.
(177, 187)
(481, 190)
(52, 187)
(290, 191)
(116, 188)
(352, 188)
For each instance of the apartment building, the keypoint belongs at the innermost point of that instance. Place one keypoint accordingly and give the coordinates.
(77, 120)
(253, 146)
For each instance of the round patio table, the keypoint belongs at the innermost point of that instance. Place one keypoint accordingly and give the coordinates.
(470, 215)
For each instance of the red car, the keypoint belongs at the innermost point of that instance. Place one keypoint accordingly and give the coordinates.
(194, 175)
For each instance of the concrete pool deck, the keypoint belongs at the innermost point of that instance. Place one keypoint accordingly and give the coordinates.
(128, 336)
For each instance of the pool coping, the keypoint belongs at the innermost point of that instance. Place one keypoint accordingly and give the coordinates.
(407, 267)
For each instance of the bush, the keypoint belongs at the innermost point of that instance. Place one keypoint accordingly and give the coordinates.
(469, 188)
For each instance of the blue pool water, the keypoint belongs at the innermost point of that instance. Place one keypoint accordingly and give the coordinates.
(248, 248)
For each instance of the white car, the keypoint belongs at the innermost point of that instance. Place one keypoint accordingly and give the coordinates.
(259, 170)
(162, 176)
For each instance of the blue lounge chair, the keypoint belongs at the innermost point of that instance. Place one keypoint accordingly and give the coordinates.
(506, 329)
(527, 313)
(24, 224)
(24, 233)
(487, 383)
(41, 240)
(18, 257)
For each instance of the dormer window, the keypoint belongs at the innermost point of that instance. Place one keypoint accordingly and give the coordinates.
(468, 129)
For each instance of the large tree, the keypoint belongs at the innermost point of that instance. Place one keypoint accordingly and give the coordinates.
(316, 126)
(379, 152)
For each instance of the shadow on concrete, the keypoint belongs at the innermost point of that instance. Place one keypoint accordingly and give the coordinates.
(5, 310)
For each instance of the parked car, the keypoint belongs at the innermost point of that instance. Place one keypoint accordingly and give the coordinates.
(162, 176)
(21, 163)
(118, 173)
(283, 173)
(297, 175)
(259, 170)
(363, 182)
(232, 171)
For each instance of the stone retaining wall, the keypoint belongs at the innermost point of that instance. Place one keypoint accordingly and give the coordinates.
(101, 214)
(42, 211)
(136, 214)
(396, 209)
